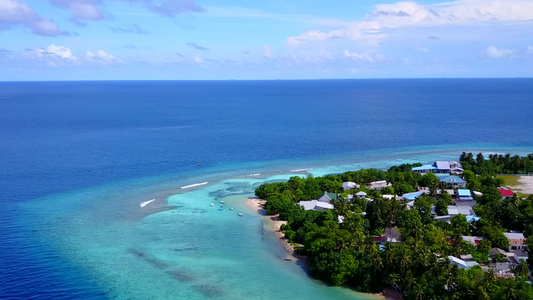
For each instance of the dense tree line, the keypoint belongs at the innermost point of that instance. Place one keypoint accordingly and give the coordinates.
(346, 254)
(497, 163)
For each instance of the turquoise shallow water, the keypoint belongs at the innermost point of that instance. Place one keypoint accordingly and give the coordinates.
(181, 247)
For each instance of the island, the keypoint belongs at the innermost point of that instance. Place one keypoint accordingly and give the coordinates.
(446, 230)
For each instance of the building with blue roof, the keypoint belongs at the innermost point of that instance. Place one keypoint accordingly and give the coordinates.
(440, 167)
(452, 180)
(412, 196)
(464, 194)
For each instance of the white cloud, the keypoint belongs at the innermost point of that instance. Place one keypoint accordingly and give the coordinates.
(100, 57)
(454, 12)
(58, 51)
(496, 53)
(15, 13)
(403, 14)
(353, 31)
(52, 56)
(365, 57)
(267, 53)
(82, 9)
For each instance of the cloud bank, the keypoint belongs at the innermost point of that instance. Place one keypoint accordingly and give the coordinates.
(14, 13)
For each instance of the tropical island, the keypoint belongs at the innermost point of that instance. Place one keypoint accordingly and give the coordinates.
(449, 230)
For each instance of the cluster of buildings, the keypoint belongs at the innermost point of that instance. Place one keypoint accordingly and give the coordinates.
(447, 173)
(507, 258)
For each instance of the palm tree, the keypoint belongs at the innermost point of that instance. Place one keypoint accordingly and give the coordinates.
(393, 280)
(403, 260)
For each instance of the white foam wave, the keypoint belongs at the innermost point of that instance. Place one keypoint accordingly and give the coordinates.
(194, 185)
(143, 204)
(301, 170)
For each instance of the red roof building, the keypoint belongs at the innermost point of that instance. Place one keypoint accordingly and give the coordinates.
(506, 193)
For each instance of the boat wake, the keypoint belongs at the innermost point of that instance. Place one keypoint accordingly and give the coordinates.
(250, 175)
(143, 204)
(194, 185)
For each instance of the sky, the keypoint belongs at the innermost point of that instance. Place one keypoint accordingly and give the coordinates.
(271, 39)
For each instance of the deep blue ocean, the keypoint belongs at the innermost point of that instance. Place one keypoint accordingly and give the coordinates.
(78, 157)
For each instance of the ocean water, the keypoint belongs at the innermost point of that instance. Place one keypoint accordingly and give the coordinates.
(79, 157)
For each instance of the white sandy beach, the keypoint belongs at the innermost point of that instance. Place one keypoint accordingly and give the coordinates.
(526, 184)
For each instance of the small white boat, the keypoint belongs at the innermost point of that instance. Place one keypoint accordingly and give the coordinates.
(222, 201)
(212, 204)
(231, 208)
(240, 215)
(143, 204)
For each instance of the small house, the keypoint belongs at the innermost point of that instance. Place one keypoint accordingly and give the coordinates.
(517, 241)
(462, 264)
(349, 185)
(411, 196)
(454, 210)
(506, 194)
(391, 235)
(465, 195)
(474, 240)
(360, 195)
(327, 197)
(379, 185)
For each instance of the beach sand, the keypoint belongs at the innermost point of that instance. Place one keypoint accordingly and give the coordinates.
(526, 185)
(275, 223)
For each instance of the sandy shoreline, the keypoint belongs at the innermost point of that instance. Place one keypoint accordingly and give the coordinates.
(275, 223)
(526, 185)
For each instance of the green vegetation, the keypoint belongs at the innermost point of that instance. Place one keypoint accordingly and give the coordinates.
(511, 180)
(497, 163)
(346, 253)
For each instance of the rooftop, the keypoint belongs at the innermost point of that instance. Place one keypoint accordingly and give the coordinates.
(505, 192)
(464, 193)
(450, 178)
(412, 196)
(515, 239)
(442, 165)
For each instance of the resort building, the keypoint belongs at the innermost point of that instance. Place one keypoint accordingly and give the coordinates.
(315, 205)
(451, 180)
(440, 166)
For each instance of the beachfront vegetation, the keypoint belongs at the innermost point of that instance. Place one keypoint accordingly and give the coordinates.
(346, 253)
(497, 163)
